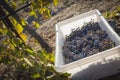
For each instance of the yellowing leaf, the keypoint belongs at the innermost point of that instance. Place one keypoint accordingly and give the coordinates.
(14, 21)
(36, 24)
(13, 4)
(28, 62)
(41, 11)
(48, 13)
(23, 22)
(23, 36)
(19, 28)
(55, 2)
(32, 13)
(112, 14)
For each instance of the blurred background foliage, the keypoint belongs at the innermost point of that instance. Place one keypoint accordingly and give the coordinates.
(22, 61)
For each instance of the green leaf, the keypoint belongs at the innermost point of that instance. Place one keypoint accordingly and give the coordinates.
(10, 33)
(36, 75)
(0, 58)
(51, 57)
(29, 51)
(65, 74)
(28, 62)
(38, 66)
(106, 14)
(16, 41)
(42, 57)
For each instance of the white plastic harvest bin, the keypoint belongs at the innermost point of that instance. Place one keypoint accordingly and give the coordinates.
(95, 66)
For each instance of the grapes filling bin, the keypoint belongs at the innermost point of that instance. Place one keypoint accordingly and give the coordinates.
(102, 64)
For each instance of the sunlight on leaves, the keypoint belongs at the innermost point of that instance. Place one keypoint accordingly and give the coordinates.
(55, 2)
(23, 22)
(32, 13)
(13, 21)
(19, 28)
(23, 36)
(36, 24)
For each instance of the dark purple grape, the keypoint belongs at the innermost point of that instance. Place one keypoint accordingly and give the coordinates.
(73, 42)
(71, 54)
(96, 43)
(77, 38)
(73, 48)
(76, 51)
(70, 46)
(84, 31)
(76, 57)
(91, 43)
(95, 37)
(82, 54)
(88, 37)
(104, 35)
(88, 40)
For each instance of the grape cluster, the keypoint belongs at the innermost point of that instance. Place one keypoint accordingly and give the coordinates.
(88, 40)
